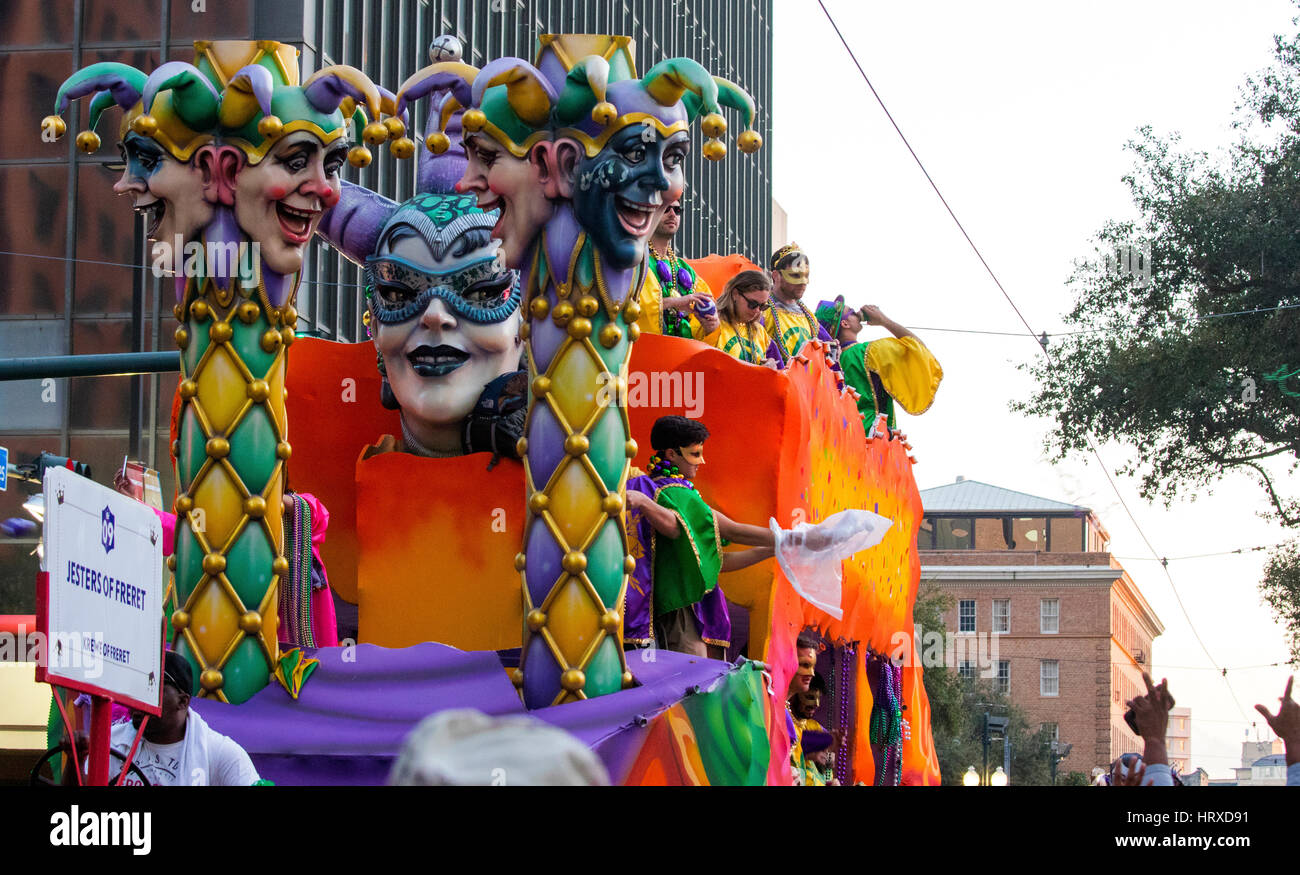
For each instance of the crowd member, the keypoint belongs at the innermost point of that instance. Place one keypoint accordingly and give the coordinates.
(178, 747)
(674, 299)
(898, 367)
(1151, 715)
(818, 768)
(740, 333)
(675, 538)
(1286, 724)
(801, 683)
(788, 320)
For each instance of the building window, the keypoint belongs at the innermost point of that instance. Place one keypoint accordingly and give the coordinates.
(966, 669)
(1004, 677)
(954, 533)
(1049, 677)
(1002, 615)
(1049, 615)
(966, 615)
(1050, 731)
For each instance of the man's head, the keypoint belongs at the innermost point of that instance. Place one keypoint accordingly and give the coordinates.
(790, 270)
(680, 441)
(670, 223)
(850, 327)
(178, 680)
(806, 650)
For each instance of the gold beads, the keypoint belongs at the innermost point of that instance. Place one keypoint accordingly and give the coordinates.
(574, 562)
(538, 502)
(539, 308)
(248, 312)
(612, 504)
(255, 507)
(573, 680)
(713, 125)
(604, 113)
(180, 620)
(199, 311)
(576, 444)
(359, 156)
(610, 335)
(270, 127)
(374, 133)
(258, 391)
(536, 619)
(88, 141)
(579, 327)
(631, 312)
(214, 564)
(211, 679)
(562, 313)
(587, 306)
(611, 622)
(270, 340)
(749, 142)
(217, 448)
(541, 386)
(221, 332)
(251, 622)
(437, 142)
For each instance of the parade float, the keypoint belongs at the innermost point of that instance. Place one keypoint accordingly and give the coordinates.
(488, 573)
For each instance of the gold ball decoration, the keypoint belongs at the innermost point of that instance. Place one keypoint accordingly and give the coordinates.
(517, 677)
(579, 327)
(88, 141)
(521, 561)
(541, 385)
(184, 504)
(180, 620)
(214, 564)
(473, 121)
(573, 680)
(521, 446)
(628, 680)
(525, 330)
(283, 450)
(630, 448)
(220, 332)
(536, 619)
(255, 506)
(633, 332)
(176, 447)
(359, 156)
(587, 306)
(749, 142)
(258, 391)
(574, 562)
(631, 312)
(402, 148)
(287, 336)
(576, 444)
(715, 150)
(211, 679)
(289, 315)
(200, 311)
(182, 338)
(612, 504)
(270, 127)
(56, 124)
(189, 389)
(538, 502)
(396, 127)
(610, 621)
(629, 564)
(365, 318)
(178, 312)
(713, 125)
(437, 142)
(280, 565)
(248, 312)
(374, 133)
(270, 340)
(539, 308)
(218, 447)
(604, 113)
(610, 335)
(145, 125)
(171, 562)
(562, 313)
(251, 622)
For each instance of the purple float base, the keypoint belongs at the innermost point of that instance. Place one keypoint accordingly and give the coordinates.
(348, 724)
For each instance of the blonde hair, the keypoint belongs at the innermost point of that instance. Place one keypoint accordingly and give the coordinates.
(745, 281)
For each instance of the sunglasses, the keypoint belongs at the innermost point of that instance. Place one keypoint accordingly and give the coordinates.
(675, 209)
(750, 303)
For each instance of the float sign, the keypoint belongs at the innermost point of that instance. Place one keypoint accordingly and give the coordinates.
(102, 611)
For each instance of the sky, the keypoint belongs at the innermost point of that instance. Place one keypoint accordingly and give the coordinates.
(1020, 112)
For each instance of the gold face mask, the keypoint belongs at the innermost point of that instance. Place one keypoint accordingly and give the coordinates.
(797, 273)
(693, 454)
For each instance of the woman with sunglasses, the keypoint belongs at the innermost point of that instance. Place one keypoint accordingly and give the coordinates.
(740, 333)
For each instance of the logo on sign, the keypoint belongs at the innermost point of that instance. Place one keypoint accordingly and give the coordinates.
(107, 527)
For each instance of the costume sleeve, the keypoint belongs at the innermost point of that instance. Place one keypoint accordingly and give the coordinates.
(908, 371)
(651, 299)
(774, 353)
(685, 568)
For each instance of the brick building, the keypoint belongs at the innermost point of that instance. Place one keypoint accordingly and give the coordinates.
(1042, 609)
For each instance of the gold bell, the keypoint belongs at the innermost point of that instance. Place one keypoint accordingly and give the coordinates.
(749, 142)
(270, 127)
(403, 147)
(437, 142)
(359, 156)
(88, 141)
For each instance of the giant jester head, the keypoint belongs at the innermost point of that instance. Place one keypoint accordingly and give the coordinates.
(621, 146)
(168, 117)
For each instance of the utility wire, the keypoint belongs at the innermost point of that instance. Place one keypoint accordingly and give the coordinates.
(1031, 333)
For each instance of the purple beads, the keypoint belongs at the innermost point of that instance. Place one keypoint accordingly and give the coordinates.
(684, 278)
(665, 272)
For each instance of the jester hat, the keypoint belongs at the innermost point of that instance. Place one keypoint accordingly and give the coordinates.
(830, 314)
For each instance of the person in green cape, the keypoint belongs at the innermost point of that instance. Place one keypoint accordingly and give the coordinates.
(677, 540)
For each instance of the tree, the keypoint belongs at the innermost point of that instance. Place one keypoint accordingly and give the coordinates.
(1193, 358)
(957, 707)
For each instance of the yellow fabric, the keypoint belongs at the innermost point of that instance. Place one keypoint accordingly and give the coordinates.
(792, 329)
(651, 300)
(909, 372)
(732, 340)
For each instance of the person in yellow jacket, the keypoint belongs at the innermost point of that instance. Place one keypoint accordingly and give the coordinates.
(674, 299)
(740, 333)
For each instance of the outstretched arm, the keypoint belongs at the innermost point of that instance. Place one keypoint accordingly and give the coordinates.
(872, 315)
(661, 518)
(740, 533)
(738, 559)
(1286, 723)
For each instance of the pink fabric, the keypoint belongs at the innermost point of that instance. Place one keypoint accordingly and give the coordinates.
(169, 530)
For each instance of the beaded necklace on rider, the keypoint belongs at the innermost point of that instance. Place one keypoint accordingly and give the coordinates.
(672, 275)
(780, 341)
(661, 467)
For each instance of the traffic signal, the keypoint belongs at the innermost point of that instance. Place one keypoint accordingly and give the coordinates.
(49, 460)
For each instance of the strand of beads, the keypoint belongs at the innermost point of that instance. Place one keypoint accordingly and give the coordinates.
(674, 279)
(661, 467)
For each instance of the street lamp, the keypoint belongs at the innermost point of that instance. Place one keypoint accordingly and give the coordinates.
(971, 778)
(998, 778)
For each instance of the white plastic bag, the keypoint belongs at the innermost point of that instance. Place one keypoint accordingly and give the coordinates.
(810, 555)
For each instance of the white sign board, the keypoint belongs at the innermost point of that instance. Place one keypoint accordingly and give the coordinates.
(102, 611)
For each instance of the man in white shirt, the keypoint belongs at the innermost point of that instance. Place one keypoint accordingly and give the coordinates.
(178, 747)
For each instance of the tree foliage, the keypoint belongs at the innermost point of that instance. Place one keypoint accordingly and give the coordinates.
(1154, 361)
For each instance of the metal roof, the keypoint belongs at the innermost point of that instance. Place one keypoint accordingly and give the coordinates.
(975, 497)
